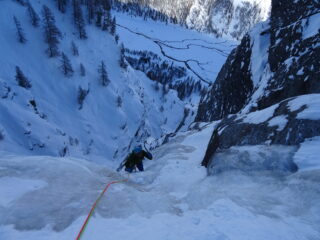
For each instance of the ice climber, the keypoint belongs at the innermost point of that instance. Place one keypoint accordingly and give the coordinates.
(134, 160)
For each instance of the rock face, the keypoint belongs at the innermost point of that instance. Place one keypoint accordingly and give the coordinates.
(231, 18)
(277, 60)
(276, 66)
(224, 97)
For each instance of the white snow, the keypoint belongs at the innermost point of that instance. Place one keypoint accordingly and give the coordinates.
(227, 24)
(173, 199)
(101, 126)
(260, 46)
(43, 196)
(311, 102)
(205, 52)
(307, 157)
(9, 193)
(311, 28)
(280, 121)
(260, 116)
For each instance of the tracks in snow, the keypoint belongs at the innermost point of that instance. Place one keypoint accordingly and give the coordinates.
(162, 44)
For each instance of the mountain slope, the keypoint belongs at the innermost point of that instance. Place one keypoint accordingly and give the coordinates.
(47, 119)
(223, 18)
(275, 68)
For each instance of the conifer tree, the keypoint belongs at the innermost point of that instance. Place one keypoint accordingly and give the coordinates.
(106, 25)
(51, 33)
(113, 26)
(99, 15)
(22, 79)
(106, 4)
(82, 94)
(119, 102)
(103, 74)
(78, 19)
(90, 10)
(82, 70)
(122, 62)
(74, 49)
(116, 38)
(62, 5)
(20, 33)
(21, 2)
(34, 17)
(66, 66)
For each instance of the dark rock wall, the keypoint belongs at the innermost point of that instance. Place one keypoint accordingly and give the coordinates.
(294, 60)
(234, 131)
(294, 63)
(232, 88)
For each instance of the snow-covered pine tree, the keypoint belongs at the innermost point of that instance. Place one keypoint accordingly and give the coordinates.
(51, 33)
(74, 49)
(90, 10)
(20, 33)
(106, 25)
(122, 61)
(106, 4)
(104, 78)
(116, 38)
(22, 79)
(34, 17)
(119, 101)
(78, 19)
(82, 70)
(66, 66)
(82, 94)
(99, 15)
(21, 2)
(113, 26)
(62, 5)
(1, 135)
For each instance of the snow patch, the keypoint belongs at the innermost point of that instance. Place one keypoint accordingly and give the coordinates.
(312, 104)
(307, 156)
(260, 46)
(311, 27)
(280, 121)
(249, 159)
(12, 188)
(261, 116)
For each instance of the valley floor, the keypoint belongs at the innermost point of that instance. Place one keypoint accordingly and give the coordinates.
(49, 198)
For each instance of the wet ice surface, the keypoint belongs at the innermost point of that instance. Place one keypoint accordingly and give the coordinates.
(173, 199)
(26, 185)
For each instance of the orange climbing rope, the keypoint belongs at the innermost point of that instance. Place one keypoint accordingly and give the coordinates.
(94, 206)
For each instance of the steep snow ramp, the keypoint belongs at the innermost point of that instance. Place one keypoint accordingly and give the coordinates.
(174, 198)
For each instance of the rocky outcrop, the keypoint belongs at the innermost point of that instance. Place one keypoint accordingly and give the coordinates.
(287, 123)
(229, 93)
(290, 66)
(267, 91)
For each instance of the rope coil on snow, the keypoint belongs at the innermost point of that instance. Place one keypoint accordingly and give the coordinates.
(95, 205)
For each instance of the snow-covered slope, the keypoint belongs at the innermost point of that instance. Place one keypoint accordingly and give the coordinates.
(202, 55)
(47, 119)
(173, 199)
(223, 18)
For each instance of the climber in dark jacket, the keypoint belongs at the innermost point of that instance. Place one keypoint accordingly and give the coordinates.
(134, 159)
